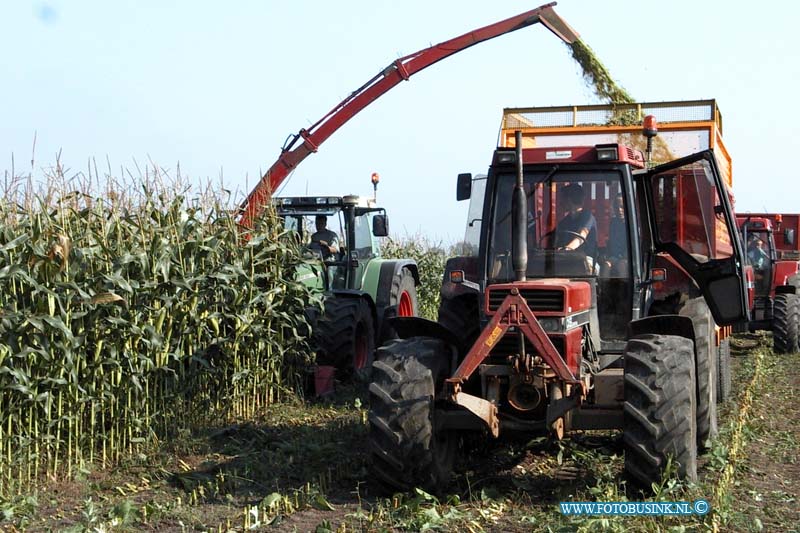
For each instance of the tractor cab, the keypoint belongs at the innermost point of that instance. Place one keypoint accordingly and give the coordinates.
(587, 220)
(576, 227)
(340, 232)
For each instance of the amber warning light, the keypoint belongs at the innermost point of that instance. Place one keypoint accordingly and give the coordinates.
(649, 130)
(650, 126)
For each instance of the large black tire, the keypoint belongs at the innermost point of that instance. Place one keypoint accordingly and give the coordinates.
(346, 336)
(405, 450)
(403, 293)
(784, 323)
(659, 410)
(461, 316)
(724, 370)
(706, 369)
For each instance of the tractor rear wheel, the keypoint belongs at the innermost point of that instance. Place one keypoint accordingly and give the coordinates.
(784, 323)
(405, 448)
(403, 293)
(461, 316)
(706, 371)
(346, 334)
(724, 370)
(659, 411)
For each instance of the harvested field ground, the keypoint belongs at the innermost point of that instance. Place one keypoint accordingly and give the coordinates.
(302, 466)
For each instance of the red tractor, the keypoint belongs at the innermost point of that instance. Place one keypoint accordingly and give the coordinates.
(590, 303)
(775, 287)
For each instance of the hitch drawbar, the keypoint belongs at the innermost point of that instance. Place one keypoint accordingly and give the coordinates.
(513, 312)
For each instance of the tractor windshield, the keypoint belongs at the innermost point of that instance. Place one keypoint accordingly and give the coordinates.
(319, 232)
(576, 229)
(322, 238)
(576, 225)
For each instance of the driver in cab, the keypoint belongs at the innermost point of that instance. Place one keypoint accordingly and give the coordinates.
(578, 229)
(326, 239)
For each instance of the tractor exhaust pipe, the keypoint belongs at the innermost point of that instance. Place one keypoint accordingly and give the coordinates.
(519, 217)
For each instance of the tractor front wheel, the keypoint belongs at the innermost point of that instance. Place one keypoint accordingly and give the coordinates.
(347, 336)
(406, 450)
(784, 323)
(659, 411)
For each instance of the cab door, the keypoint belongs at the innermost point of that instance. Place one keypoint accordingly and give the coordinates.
(692, 220)
(363, 248)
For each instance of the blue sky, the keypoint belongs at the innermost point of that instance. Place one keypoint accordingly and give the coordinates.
(219, 86)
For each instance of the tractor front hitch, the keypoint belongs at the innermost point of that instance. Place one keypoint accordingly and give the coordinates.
(483, 409)
(513, 312)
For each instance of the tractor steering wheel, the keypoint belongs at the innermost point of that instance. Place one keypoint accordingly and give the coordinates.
(558, 232)
(318, 248)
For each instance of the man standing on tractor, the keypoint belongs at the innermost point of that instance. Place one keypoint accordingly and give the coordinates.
(324, 238)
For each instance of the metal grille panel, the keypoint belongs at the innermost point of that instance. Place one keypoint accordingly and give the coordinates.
(538, 299)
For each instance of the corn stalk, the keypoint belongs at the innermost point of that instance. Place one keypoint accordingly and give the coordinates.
(123, 321)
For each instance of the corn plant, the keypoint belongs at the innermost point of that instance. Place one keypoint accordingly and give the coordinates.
(124, 321)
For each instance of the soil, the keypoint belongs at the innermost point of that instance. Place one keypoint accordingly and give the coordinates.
(768, 491)
(313, 455)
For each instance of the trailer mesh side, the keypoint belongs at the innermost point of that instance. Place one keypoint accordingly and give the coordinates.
(599, 115)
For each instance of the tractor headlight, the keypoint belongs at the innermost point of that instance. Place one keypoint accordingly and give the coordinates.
(506, 158)
(607, 153)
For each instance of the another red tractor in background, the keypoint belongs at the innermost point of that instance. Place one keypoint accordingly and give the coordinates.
(775, 287)
(552, 328)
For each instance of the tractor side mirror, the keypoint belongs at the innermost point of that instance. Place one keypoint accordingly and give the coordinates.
(464, 187)
(788, 236)
(380, 226)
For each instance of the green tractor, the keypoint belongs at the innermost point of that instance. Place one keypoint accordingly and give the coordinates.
(343, 266)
